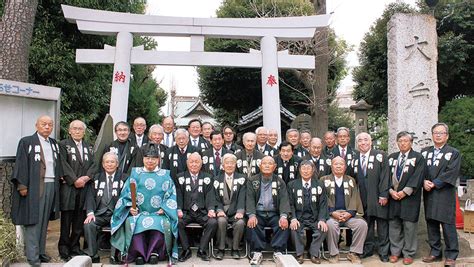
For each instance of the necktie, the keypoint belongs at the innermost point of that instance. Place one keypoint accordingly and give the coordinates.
(435, 154)
(79, 147)
(194, 179)
(110, 180)
(182, 150)
(229, 181)
(285, 163)
(218, 161)
(168, 140)
(400, 167)
(195, 143)
(139, 141)
(306, 185)
(343, 153)
(364, 165)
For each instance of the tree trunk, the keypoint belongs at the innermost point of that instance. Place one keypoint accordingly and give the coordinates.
(16, 32)
(319, 109)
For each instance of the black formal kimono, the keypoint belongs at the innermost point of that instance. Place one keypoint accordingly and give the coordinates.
(322, 164)
(209, 163)
(308, 206)
(407, 209)
(267, 150)
(290, 171)
(440, 202)
(29, 171)
(133, 139)
(234, 148)
(175, 161)
(249, 168)
(202, 144)
(195, 199)
(329, 152)
(127, 152)
(374, 184)
(72, 199)
(300, 151)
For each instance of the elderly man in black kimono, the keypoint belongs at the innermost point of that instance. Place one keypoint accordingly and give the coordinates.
(315, 155)
(302, 149)
(155, 138)
(138, 136)
(267, 206)
(371, 174)
(177, 155)
(230, 191)
(248, 159)
(78, 166)
(212, 158)
(101, 196)
(262, 138)
(126, 150)
(287, 163)
(329, 144)
(309, 209)
(443, 164)
(196, 204)
(406, 180)
(35, 194)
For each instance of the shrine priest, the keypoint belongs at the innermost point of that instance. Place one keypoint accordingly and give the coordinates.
(212, 158)
(230, 192)
(287, 163)
(249, 158)
(101, 196)
(262, 138)
(35, 191)
(406, 180)
(309, 210)
(443, 163)
(195, 138)
(372, 177)
(177, 155)
(345, 209)
(144, 224)
(267, 205)
(126, 150)
(315, 155)
(196, 204)
(78, 166)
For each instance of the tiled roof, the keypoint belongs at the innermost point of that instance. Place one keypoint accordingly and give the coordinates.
(259, 113)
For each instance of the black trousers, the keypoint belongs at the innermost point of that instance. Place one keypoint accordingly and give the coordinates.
(383, 242)
(450, 236)
(72, 227)
(258, 237)
(209, 229)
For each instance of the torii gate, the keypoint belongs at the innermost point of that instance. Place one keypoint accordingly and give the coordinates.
(268, 30)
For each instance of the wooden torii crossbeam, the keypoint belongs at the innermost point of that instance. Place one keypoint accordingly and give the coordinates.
(124, 25)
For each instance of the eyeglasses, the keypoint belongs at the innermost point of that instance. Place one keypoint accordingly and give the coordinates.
(439, 133)
(228, 133)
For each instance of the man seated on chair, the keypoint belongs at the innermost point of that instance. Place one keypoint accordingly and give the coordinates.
(102, 194)
(196, 204)
(267, 205)
(344, 203)
(145, 227)
(230, 190)
(309, 209)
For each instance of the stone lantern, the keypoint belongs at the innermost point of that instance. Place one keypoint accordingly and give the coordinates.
(361, 110)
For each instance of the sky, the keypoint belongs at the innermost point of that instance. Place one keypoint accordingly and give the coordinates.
(350, 19)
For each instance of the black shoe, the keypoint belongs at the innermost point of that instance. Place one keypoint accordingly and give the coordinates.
(220, 254)
(96, 259)
(383, 258)
(203, 255)
(45, 258)
(139, 260)
(235, 254)
(153, 259)
(64, 258)
(114, 261)
(366, 255)
(185, 255)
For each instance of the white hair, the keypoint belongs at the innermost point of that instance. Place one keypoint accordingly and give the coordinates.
(247, 135)
(181, 131)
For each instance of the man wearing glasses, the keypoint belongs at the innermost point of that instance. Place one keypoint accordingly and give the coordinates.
(443, 163)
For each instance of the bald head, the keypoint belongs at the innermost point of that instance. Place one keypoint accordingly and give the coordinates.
(44, 126)
(316, 147)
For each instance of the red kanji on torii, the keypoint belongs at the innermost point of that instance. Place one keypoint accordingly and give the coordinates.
(271, 80)
(119, 77)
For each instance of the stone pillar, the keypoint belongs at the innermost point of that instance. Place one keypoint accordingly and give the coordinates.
(121, 77)
(412, 79)
(361, 110)
(270, 85)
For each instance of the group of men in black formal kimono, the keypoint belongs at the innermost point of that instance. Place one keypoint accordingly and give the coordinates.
(303, 186)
